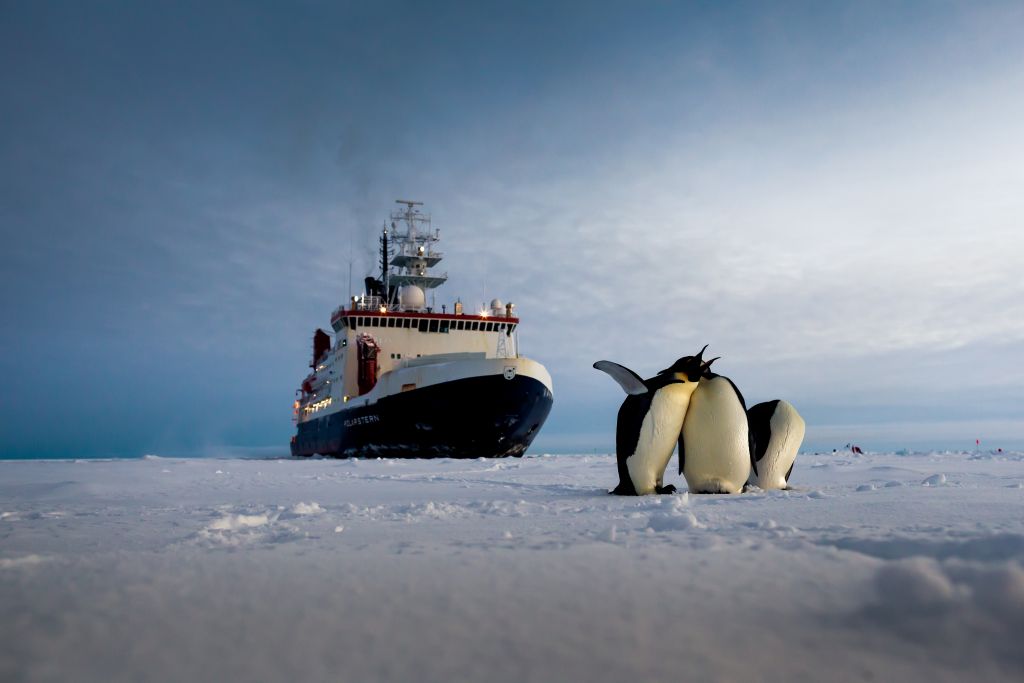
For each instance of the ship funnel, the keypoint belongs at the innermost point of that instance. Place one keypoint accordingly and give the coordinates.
(321, 343)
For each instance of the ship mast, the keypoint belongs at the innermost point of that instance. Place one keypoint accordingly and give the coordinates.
(415, 248)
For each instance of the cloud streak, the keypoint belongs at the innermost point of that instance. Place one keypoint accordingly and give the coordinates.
(831, 200)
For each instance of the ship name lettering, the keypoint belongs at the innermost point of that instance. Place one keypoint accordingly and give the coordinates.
(362, 420)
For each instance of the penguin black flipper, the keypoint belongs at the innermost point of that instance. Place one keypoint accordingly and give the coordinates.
(630, 382)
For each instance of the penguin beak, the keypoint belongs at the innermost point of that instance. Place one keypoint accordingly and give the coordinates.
(700, 355)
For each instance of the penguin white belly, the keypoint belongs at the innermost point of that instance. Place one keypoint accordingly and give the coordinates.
(658, 435)
(715, 439)
(787, 433)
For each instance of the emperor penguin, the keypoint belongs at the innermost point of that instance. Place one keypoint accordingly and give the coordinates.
(649, 422)
(714, 445)
(777, 431)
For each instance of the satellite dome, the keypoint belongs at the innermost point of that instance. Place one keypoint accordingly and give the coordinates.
(411, 296)
(497, 306)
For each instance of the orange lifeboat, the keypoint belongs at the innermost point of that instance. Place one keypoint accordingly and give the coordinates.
(368, 350)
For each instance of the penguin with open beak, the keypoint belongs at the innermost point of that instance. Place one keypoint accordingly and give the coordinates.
(714, 443)
(650, 421)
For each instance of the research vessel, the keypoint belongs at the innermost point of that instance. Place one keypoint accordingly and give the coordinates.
(395, 377)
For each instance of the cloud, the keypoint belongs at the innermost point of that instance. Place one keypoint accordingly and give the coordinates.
(811, 194)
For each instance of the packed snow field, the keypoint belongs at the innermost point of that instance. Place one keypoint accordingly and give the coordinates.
(873, 567)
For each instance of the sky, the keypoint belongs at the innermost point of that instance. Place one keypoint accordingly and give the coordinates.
(828, 194)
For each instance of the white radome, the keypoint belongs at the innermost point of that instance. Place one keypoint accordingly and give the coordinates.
(411, 296)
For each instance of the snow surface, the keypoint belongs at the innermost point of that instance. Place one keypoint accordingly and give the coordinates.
(874, 567)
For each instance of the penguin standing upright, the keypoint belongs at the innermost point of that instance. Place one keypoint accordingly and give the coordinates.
(777, 431)
(649, 422)
(714, 445)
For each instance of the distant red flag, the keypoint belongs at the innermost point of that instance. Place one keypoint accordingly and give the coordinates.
(977, 442)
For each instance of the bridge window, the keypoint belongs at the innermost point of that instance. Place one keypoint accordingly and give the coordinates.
(444, 326)
(433, 326)
(423, 325)
(476, 325)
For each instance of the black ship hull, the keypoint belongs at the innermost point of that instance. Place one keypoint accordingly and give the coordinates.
(487, 416)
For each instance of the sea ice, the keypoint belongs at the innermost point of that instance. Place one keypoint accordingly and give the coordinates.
(445, 570)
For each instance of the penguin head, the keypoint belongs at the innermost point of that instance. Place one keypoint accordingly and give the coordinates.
(689, 368)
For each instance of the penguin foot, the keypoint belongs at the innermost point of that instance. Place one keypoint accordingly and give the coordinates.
(665, 489)
(623, 490)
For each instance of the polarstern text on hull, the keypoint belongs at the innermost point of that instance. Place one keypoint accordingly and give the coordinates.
(397, 378)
